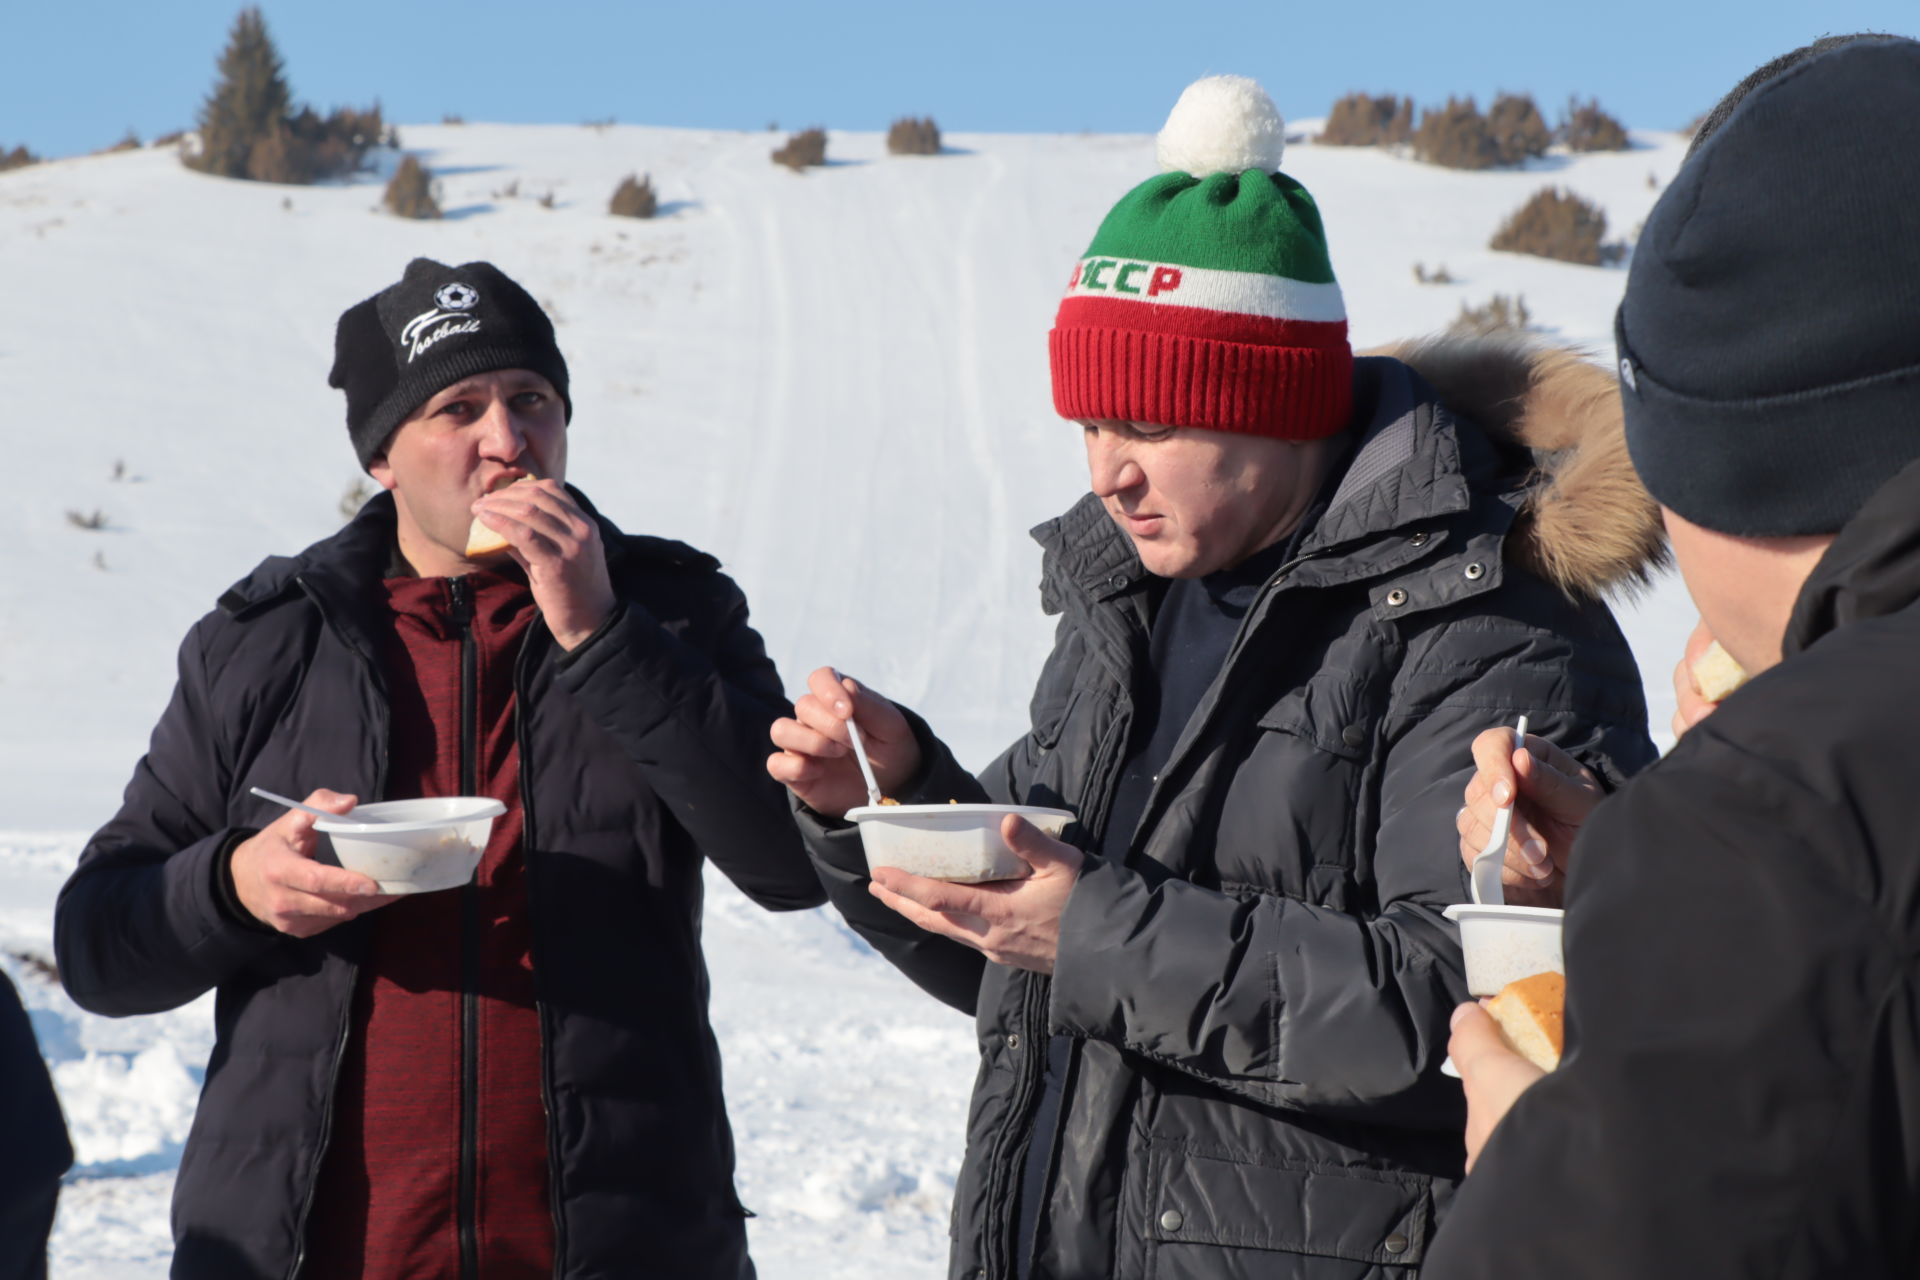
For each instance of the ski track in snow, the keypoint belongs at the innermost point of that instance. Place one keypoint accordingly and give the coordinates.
(836, 381)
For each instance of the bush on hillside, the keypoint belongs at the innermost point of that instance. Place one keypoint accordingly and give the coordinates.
(1361, 120)
(131, 142)
(1455, 136)
(410, 194)
(911, 137)
(634, 198)
(1440, 275)
(250, 129)
(1558, 224)
(1492, 316)
(1518, 129)
(807, 147)
(18, 158)
(1588, 128)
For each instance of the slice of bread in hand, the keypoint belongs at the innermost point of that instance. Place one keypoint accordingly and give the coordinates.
(1716, 674)
(482, 541)
(1532, 1015)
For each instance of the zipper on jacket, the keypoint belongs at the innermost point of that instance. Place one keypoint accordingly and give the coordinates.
(460, 614)
(346, 1017)
(1007, 1163)
(520, 735)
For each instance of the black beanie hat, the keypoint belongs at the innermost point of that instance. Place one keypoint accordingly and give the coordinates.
(439, 324)
(1770, 335)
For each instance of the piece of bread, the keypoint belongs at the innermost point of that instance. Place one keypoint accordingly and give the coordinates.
(1532, 1015)
(1716, 674)
(482, 541)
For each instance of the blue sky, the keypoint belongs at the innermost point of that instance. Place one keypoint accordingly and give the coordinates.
(80, 73)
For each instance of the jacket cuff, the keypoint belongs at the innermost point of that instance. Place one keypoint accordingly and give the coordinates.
(226, 897)
(568, 657)
(218, 940)
(940, 777)
(1085, 997)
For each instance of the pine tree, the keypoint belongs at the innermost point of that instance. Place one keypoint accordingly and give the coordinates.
(248, 101)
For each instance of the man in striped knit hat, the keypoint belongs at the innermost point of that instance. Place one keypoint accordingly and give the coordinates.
(1212, 1016)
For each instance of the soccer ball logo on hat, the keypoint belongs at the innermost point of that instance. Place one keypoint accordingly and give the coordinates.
(1207, 298)
(458, 296)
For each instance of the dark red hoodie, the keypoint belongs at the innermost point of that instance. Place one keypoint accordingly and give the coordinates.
(437, 1164)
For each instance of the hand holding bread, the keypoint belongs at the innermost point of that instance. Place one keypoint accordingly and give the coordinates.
(558, 544)
(1704, 677)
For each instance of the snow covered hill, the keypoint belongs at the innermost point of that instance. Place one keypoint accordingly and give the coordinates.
(834, 381)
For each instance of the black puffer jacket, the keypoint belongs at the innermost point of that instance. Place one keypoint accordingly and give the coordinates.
(641, 754)
(1258, 994)
(1740, 1094)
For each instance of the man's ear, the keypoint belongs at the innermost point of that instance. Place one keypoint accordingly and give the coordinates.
(381, 470)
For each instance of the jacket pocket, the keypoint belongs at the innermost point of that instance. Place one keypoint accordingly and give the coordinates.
(1210, 1215)
(1330, 711)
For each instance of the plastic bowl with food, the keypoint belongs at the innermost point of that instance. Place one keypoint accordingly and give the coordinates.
(1505, 944)
(956, 842)
(414, 846)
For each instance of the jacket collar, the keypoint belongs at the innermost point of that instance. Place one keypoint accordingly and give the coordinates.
(1411, 466)
(1871, 570)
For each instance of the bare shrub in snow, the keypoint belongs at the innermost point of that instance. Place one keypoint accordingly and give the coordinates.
(1439, 275)
(1492, 316)
(354, 497)
(1455, 136)
(1558, 224)
(807, 147)
(410, 193)
(1361, 120)
(911, 137)
(1588, 128)
(1518, 129)
(634, 198)
(93, 520)
(18, 158)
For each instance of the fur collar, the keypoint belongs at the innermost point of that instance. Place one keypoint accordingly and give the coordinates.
(1587, 525)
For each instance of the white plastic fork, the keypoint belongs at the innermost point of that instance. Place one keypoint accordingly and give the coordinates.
(1484, 877)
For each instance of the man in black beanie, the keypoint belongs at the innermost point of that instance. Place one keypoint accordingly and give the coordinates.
(511, 1079)
(1740, 1091)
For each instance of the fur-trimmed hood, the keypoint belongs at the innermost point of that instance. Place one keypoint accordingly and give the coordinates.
(1589, 526)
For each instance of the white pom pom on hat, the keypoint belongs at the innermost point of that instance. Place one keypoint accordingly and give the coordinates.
(1222, 124)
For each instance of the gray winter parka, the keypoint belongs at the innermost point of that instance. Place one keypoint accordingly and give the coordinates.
(1258, 994)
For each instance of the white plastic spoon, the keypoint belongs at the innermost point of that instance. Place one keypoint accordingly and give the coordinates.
(860, 756)
(1485, 875)
(265, 794)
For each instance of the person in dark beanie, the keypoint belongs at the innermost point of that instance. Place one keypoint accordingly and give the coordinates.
(1741, 1078)
(515, 1078)
(35, 1151)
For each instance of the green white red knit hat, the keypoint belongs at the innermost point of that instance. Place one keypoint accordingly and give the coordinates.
(1207, 298)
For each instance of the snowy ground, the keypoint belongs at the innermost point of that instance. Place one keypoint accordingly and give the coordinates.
(836, 382)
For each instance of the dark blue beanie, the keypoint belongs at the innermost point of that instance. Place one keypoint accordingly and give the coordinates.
(1769, 339)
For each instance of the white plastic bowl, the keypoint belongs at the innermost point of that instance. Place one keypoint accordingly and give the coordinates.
(1505, 944)
(414, 846)
(956, 842)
